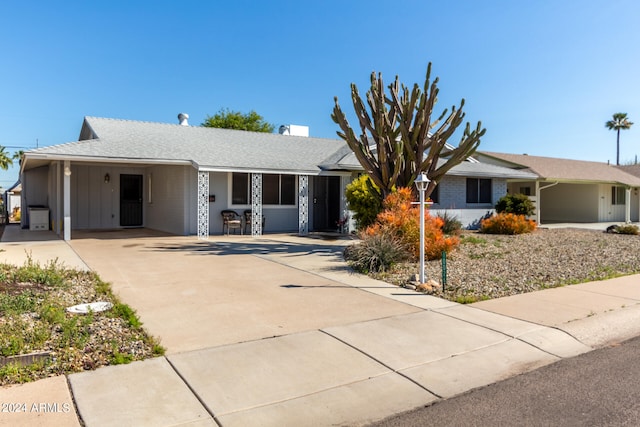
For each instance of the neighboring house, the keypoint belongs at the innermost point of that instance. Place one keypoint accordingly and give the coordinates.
(573, 190)
(178, 178)
(12, 201)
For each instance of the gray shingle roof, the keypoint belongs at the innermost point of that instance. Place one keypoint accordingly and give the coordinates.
(470, 169)
(208, 148)
(568, 170)
(108, 140)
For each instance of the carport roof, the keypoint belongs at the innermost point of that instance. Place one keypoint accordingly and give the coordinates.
(567, 170)
(114, 140)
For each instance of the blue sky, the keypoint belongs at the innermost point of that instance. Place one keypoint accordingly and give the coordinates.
(543, 76)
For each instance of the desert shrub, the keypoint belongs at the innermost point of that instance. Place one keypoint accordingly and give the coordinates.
(402, 219)
(507, 223)
(627, 229)
(375, 253)
(451, 224)
(364, 204)
(518, 204)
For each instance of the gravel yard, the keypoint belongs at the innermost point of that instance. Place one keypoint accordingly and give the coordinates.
(487, 266)
(39, 338)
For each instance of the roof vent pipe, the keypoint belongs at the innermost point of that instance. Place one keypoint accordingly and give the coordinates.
(184, 119)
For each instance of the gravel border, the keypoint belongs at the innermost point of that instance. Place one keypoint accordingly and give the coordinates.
(487, 266)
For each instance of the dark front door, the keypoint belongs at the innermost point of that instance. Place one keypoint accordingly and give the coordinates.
(326, 203)
(131, 200)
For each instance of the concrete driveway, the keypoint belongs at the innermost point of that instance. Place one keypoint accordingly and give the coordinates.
(199, 294)
(347, 350)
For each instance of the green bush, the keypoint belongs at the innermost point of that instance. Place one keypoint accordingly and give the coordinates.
(375, 253)
(362, 201)
(518, 204)
(627, 229)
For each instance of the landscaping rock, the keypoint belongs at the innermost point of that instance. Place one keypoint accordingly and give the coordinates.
(487, 266)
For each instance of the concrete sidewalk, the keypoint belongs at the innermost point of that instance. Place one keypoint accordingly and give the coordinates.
(339, 348)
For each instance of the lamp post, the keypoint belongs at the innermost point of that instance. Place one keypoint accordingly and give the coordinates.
(421, 184)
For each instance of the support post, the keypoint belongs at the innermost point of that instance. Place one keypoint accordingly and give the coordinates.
(67, 200)
(203, 205)
(303, 205)
(256, 204)
(627, 205)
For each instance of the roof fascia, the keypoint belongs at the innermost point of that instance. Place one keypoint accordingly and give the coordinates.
(96, 159)
(257, 170)
(500, 159)
(585, 181)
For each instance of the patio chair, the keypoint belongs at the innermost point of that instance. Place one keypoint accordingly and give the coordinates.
(247, 221)
(231, 219)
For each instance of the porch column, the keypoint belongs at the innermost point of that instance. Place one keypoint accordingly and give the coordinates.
(256, 204)
(303, 205)
(57, 224)
(67, 200)
(538, 202)
(627, 205)
(203, 205)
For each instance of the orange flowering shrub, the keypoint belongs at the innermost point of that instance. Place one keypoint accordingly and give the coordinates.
(507, 223)
(402, 219)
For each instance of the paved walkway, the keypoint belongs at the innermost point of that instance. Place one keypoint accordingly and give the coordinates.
(277, 331)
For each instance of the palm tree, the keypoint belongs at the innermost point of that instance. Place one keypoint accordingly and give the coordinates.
(5, 160)
(18, 156)
(619, 122)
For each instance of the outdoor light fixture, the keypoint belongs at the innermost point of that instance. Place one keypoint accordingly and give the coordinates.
(107, 178)
(422, 182)
(67, 171)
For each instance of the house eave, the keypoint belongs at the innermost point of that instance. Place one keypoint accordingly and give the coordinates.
(226, 169)
(585, 181)
(99, 159)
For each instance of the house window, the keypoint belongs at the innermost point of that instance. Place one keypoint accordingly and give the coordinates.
(478, 190)
(525, 190)
(240, 189)
(618, 195)
(276, 189)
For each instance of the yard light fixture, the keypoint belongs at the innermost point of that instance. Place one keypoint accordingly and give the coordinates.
(107, 178)
(421, 184)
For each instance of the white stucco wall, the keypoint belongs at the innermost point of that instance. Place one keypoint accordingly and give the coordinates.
(218, 187)
(35, 191)
(166, 195)
(95, 204)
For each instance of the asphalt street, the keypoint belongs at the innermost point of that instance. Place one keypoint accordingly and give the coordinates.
(600, 388)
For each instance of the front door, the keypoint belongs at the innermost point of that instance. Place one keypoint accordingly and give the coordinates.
(131, 200)
(326, 203)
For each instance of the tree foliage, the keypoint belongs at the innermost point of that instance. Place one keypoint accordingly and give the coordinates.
(518, 204)
(362, 200)
(5, 159)
(397, 137)
(227, 119)
(619, 122)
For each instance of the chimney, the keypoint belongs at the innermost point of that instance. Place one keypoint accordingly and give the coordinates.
(184, 119)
